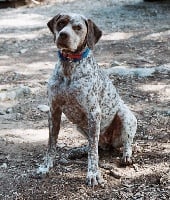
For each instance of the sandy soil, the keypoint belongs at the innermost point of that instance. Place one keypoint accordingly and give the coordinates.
(135, 34)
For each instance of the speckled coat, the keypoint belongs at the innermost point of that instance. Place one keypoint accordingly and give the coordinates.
(86, 95)
(88, 98)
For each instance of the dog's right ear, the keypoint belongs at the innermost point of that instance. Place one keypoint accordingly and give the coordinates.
(93, 34)
(52, 24)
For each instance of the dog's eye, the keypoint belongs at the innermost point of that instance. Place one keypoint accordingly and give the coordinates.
(61, 24)
(77, 27)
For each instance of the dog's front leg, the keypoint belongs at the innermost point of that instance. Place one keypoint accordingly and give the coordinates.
(54, 127)
(54, 120)
(93, 174)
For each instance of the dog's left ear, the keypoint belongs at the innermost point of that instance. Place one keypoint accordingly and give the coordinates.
(51, 24)
(93, 34)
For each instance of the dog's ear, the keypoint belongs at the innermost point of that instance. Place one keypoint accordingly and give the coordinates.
(93, 34)
(52, 24)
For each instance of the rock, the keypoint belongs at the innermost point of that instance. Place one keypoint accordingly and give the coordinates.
(22, 51)
(22, 91)
(140, 72)
(43, 108)
(9, 110)
(14, 93)
(126, 71)
(61, 145)
(3, 166)
(2, 112)
(116, 63)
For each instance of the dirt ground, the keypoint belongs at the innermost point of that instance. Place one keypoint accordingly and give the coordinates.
(135, 34)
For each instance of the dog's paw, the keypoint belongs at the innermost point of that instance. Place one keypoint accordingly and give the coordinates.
(94, 178)
(126, 160)
(47, 164)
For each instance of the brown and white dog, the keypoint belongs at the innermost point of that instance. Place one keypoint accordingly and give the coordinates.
(85, 94)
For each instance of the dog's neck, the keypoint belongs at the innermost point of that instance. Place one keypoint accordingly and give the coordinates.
(73, 57)
(70, 60)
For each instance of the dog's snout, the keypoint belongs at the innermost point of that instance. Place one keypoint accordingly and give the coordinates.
(64, 35)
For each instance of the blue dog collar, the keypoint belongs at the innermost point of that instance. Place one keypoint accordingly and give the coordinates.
(73, 57)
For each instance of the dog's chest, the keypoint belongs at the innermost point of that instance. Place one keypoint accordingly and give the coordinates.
(70, 93)
(66, 91)
(70, 82)
(87, 88)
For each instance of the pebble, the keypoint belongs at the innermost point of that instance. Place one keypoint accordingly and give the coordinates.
(116, 63)
(9, 110)
(3, 166)
(2, 112)
(22, 51)
(43, 108)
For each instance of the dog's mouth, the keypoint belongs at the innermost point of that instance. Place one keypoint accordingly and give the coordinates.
(64, 46)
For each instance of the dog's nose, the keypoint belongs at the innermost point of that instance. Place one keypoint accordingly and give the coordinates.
(63, 35)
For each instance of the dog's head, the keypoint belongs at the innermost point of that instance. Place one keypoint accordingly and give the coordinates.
(73, 32)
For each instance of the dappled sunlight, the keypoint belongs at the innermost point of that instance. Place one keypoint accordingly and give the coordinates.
(21, 135)
(157, 36)
(30, 20)
(28, 69)
(39, 67)
(118, 36)
(152, 87)
(162, 90)
(21, 35)
(23, 26)
(147, 169)
(70, 137)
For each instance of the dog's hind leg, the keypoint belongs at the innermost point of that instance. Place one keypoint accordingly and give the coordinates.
(129, 126)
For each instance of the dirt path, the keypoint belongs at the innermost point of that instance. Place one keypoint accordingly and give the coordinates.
(135, 35)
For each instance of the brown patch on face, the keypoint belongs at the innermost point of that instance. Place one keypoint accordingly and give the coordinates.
(53, 23)
(93, 34)
(112, 133)
(62, 22)
(57, 23)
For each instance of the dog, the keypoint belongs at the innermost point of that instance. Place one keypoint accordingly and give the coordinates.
(85, 94)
